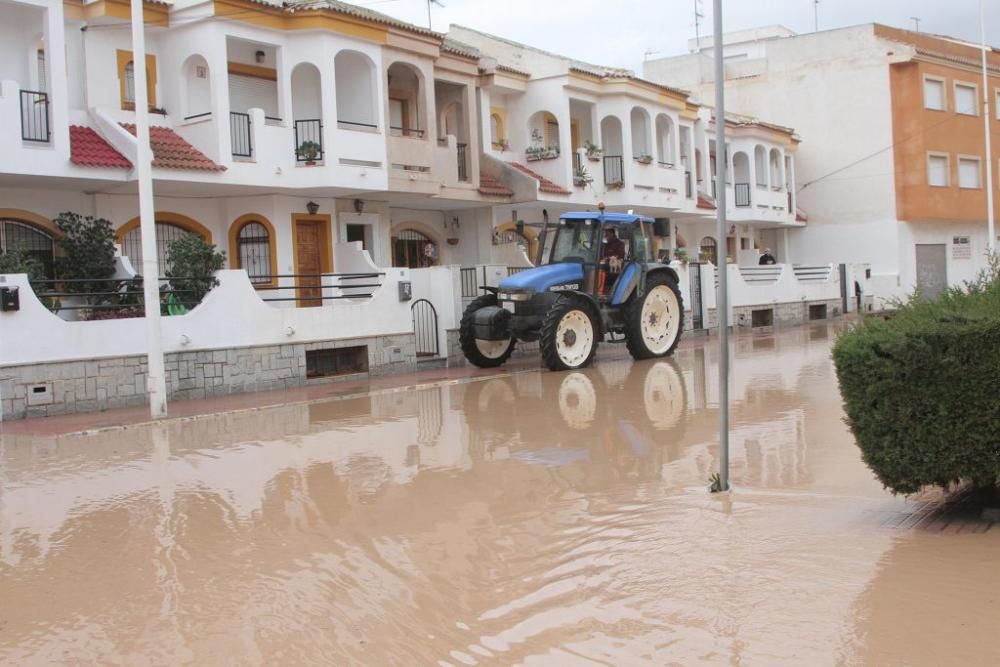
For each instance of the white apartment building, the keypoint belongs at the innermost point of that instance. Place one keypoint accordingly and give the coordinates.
(893, 172)
(317, 137)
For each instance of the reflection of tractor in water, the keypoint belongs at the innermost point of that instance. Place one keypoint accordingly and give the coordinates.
(600, 279)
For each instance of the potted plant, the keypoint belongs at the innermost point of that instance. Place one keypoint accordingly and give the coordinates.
(681, 255)
(550, 153)
(309, 151)
(533, 153)
(594, 151)
(615, 186)
(581, 177)
(645, 158)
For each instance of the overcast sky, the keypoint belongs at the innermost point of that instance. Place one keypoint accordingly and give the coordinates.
(618, 32)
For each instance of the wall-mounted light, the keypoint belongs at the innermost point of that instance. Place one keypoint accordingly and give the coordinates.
(359, 206)
(259, 56)
(312, 207)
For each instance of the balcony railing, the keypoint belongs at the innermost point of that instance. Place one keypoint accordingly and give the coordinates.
(405, 131)
(742, 194)
(35, 116)
(354, 125)
(687, 185)
(308, 140)
(790, 209)
(239, 134)
(614, 171)
(463, 162)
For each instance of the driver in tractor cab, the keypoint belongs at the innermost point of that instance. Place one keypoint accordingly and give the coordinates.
(612, 258)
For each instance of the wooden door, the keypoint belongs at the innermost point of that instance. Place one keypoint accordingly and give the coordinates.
(308, 253)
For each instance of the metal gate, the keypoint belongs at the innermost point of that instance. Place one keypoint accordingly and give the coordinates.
(694, 280)
(425, 328)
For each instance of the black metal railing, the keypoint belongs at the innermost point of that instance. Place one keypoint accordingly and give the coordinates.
(741, 192)
(35, 116)
(577, 162)
(714, 191)
(118, 298)
(308, 140)
(463, 161)
(198, 115)
(665, 165)
(310, 289)
(425, 328)
(614, 170)
(405, 131)
(688, 189)
(790, 209)
(352, 124)
(239, 134)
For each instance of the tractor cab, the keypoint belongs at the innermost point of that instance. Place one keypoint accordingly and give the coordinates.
(609, 247)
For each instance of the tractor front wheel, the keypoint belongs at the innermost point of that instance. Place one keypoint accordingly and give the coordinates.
(480, 352)
(569, 335)
(653, 324)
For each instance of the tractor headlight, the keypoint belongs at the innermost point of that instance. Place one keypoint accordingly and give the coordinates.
(515, 296)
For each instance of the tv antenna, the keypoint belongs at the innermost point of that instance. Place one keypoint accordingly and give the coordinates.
(916, 23)
(815, 15)
(697, 25)
(429, 3)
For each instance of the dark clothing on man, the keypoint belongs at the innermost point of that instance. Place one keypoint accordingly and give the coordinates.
(613, 247)
(767, 258)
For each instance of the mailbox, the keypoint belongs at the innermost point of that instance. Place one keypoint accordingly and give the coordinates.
(10, 300)
(405, 290)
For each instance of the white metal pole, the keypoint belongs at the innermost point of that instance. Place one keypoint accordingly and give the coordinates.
(721, 254)
(992, 238)
(156, 387)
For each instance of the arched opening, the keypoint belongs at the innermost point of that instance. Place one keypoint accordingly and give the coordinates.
(307, 112)
(543, 131)
(775, 166)
(406, 104)
(760, 165)
(450, 122)
(665, 143)
(611, 135)
(708, 251)
(413, 249)
(639, 120)
(741, 178)
(497, 134)
(197, 88)
(354, 73)
(251, 248)
(525, 239)
(39, 244)
(169, 227)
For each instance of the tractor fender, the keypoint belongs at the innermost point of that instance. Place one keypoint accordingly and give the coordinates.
(633, 280)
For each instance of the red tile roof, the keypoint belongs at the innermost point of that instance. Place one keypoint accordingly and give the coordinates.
(800, 215)
(171, 151)
(493, 187)
(544, 184)
(704, 201)
(88, 149)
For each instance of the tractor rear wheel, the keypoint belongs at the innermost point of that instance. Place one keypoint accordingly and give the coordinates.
(569, 334)
(653, 323)
(479, 352)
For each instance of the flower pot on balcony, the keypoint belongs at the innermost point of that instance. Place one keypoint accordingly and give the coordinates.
(452, 241)
(310, 163)
(645, 159)
(594, 158)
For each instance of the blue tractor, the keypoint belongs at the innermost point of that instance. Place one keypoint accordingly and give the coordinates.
(600, 279)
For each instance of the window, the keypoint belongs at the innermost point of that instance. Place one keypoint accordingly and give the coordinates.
(965, 98)
(934, 94)
(254, 245)
(129, 83)
(937, 170)
(17, 235)
(126, 80)
(969, 173)
(166, 232)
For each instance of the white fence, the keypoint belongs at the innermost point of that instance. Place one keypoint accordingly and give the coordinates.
(231, 315)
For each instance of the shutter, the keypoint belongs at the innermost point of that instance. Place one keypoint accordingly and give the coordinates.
(937, 171)
(965, 99)
(968, 173)
(42, 78)
(933, 94)
(250, 92)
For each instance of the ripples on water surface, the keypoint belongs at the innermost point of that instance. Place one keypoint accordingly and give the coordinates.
(538, 518)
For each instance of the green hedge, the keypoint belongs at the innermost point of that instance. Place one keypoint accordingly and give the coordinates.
(922, 389)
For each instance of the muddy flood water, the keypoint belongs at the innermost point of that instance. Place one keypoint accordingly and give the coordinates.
(530, 518)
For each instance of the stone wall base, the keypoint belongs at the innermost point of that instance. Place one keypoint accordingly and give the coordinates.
(782, 314)
(40, 390)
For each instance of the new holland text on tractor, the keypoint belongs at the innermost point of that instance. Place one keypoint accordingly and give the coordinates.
(600, 279)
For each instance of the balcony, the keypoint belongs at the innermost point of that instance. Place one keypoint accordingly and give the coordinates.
(614, 172)
(742, 195)
(35, 117)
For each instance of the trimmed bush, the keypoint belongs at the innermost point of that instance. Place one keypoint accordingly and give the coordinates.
(922, 389)
(193, 263)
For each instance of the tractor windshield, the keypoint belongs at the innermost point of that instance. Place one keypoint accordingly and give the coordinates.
(576, 241)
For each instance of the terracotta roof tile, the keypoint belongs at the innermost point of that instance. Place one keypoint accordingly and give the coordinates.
(800, 215)
(544, 184)
(88, 149)
(493, 187)
(171, 151)
(704, 201)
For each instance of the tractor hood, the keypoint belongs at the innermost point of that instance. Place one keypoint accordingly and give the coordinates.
(542, 278)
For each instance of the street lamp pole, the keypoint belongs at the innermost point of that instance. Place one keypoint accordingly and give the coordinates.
(992, 239)
(720, 232)
(156, 387)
